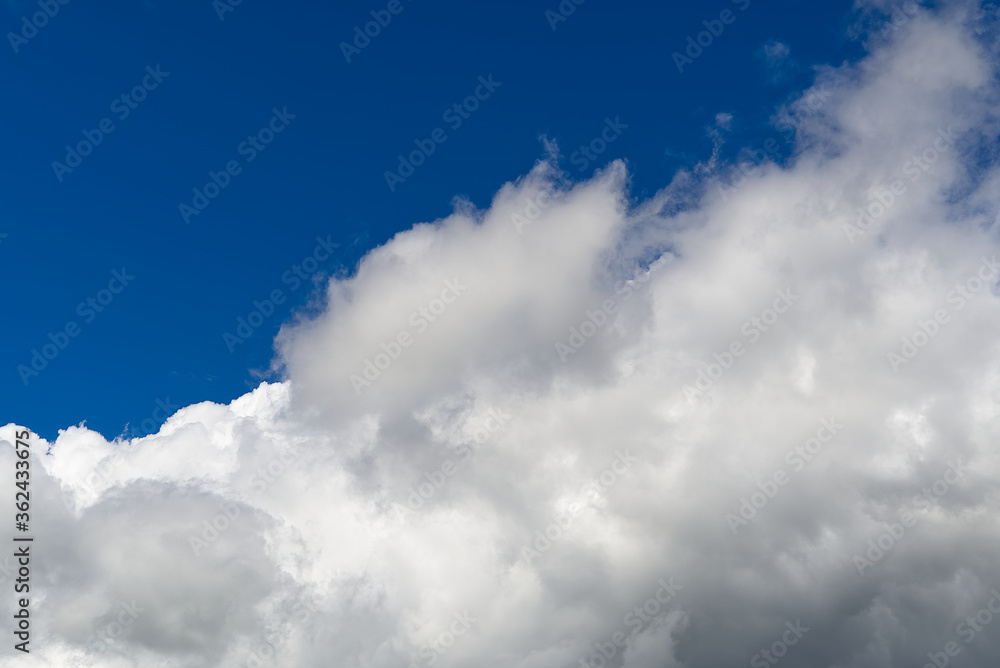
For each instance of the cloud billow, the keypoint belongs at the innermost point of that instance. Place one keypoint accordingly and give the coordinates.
(322, 557)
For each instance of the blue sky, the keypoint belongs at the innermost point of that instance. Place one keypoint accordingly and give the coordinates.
(159, 341)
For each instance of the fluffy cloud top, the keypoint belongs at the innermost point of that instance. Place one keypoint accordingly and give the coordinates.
(751, 418)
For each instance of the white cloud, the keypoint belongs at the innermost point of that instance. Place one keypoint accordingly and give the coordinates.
(775, 51)
(318, 556)
(777, 60)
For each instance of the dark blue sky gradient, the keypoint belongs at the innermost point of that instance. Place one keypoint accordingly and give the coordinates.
(323, 175)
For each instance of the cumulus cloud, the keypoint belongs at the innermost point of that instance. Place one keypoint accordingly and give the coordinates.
(753, 416)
